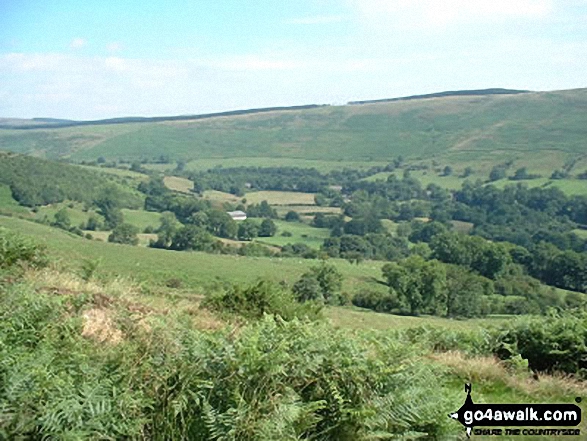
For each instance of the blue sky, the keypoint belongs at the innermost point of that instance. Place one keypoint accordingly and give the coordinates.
(100, 59)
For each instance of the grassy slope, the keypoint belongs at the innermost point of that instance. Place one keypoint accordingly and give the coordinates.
(301, 233)
(7, 202)
(463, 129)
(196, 270)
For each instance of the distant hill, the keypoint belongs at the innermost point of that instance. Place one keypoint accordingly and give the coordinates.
(46, 123)
(477, 92)
(468, 127)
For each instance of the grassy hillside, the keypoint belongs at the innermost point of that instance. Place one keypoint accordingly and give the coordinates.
(546, 126)
(196, 270)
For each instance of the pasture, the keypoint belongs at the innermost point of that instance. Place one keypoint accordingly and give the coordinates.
(198, 271)
(176, 183)
(300, 233)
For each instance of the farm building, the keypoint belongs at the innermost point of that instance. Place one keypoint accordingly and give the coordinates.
(238, 215)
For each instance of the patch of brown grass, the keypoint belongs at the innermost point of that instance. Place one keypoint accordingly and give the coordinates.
(490, 370)
(99, 326)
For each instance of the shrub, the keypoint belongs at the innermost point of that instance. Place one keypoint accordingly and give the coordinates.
(263, 297)
(557, 342)
(15, 248)
(125, 234)
(327, 278)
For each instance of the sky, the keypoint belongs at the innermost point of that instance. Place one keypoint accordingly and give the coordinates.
(109, 58)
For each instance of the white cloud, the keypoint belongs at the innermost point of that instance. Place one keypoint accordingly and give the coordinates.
(114, 46)
(319, 19)
(410, 14)
(254, 63)
(77, 43)
(18, 62)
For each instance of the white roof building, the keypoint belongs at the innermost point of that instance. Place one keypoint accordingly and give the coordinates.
(237, 215)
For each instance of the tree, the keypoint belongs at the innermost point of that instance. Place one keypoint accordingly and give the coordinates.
(307, 288)
(267, 228)
(292, 216)
(94, 223)
(497, 173)
(467, 172)
(465, 292)
(262, 210)
(247, 230)
(62, 219)
(136, 167)
(221, 224)
(125, 234)
(191, 237)
(419, 286)
(447, 171)
(425, 231)
(167, 229)
(108, 205)
(330, 281)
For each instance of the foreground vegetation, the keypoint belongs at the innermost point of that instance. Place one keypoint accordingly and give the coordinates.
(86, 357)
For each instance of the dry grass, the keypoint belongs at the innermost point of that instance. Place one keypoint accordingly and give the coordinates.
(99, 326)
(489, 370)
(107, 296)
(280, 198)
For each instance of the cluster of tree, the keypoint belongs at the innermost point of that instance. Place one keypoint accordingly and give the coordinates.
(472, 252)
(522, 174)
(419, 286)
(35, 181)
(333, 222)
(564, 269)
(159, 198)
(329, 197)
(520, 215)
(376, 246)
(261, 210)
(198, 232)
(235, 180)
(124, 234)
(391, 189)
(299, 250)
(322, 284)
(499, 171)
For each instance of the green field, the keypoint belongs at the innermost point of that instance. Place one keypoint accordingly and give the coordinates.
(75, 212)
(220, 197)
(197, 270)
(543, 129)
(567, 186)
(141, 219)
(301, 233)
(176, 183)
(7, 202)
